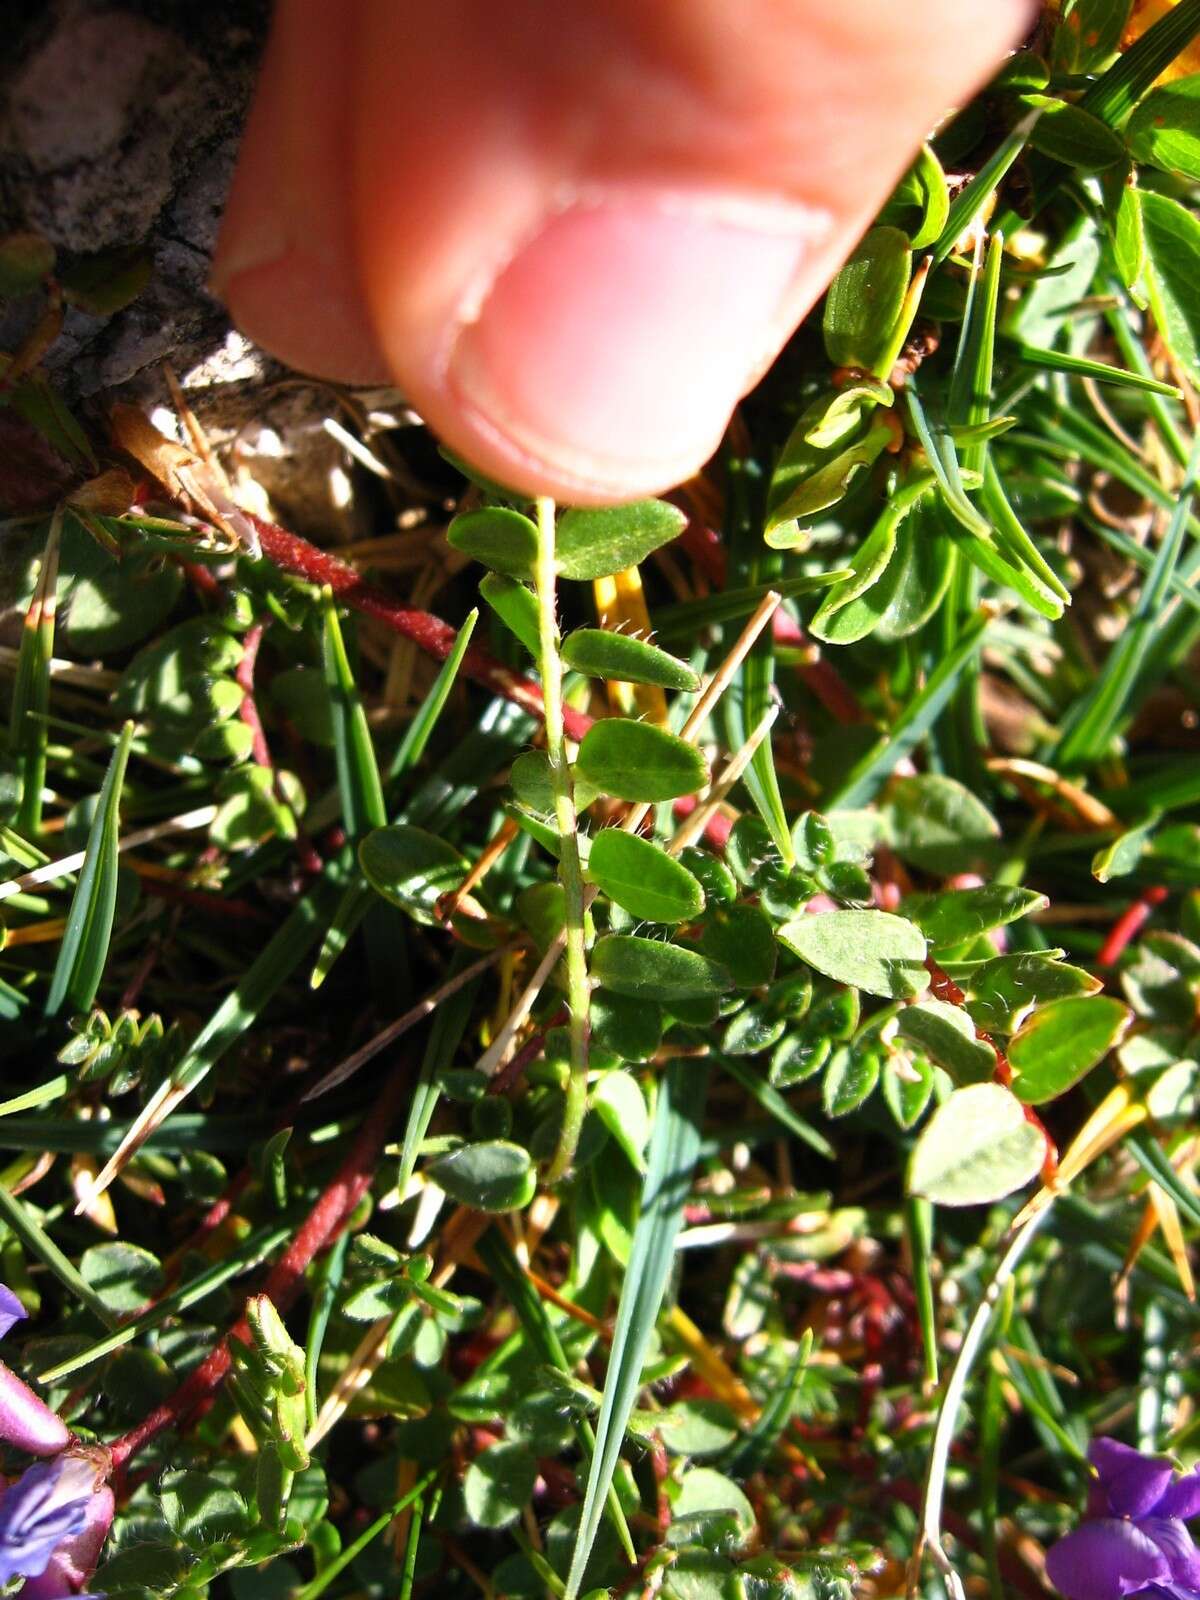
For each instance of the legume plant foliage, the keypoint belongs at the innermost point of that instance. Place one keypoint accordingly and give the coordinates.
(648, 1051)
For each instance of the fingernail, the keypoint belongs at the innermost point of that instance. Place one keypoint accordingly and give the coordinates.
(613, 347)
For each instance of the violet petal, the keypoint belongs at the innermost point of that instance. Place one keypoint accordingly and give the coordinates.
(1105, 1560)
(1175, 1542)
(1182, 1498)
(1133, 1483)
(27, 1422)
(47, 1504)
(73, 1563)
(11, 1309)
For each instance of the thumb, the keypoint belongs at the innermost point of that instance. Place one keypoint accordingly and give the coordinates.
(576, 232)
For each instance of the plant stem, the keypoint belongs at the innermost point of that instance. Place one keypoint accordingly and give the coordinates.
(570, 870)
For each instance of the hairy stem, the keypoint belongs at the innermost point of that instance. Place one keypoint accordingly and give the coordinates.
(570, 871)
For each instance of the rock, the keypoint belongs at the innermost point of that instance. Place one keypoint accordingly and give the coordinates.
(119, 126)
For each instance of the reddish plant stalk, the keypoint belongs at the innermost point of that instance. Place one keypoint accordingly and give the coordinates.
(427, 632)
(259, 748)
(324, 1222)
(248, 711)
(1129, 924)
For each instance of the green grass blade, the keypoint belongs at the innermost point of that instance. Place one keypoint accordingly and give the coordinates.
(263, 980)
(867, 776)
(770, 1099)
(918, 1231)
(1017, 545)
(52, 1089)
(1151, 1157)
(355, 1548)
(38, 1242)
(1115, 93)
(84, 949)
(1029, 355)
(449, 1024)
(412, 746)
(329, 1282)
(497, 1256)
(753, 1450)
(1095, 716)
(672, 1155)
(356, 901)
(968, 205)
(970, 399)
(357, 769)
(943, 462)
(1141, 557)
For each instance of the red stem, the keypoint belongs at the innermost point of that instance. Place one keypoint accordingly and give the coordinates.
(324, 1222)
(248, 710)
(1129, 924)
(428, 633)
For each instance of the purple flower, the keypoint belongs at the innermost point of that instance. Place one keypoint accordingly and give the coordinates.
(1133, 1541)
(11, 1309)
(73, 1563)
(46, 1507)
(25, 1421)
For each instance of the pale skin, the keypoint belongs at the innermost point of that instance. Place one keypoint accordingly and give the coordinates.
(575, 232)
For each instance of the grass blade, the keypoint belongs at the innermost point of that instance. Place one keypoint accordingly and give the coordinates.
(673, 1148)
(412, 746)
(255, 1249)
(753, 1450)
(770, 1099)
(357, 770)
(498, 1257)
(870, 772)
(449, 1024)
(1029, 355)
(84, 949)
(969, 203)
(1094, 718)
(39, 1243)
(356, 901)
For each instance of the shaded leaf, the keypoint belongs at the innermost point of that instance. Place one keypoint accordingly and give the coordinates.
(649, 969)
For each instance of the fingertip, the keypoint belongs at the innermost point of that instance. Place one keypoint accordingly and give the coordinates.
(302, 311)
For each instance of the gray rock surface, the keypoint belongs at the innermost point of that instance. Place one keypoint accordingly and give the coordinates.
(119, 125)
